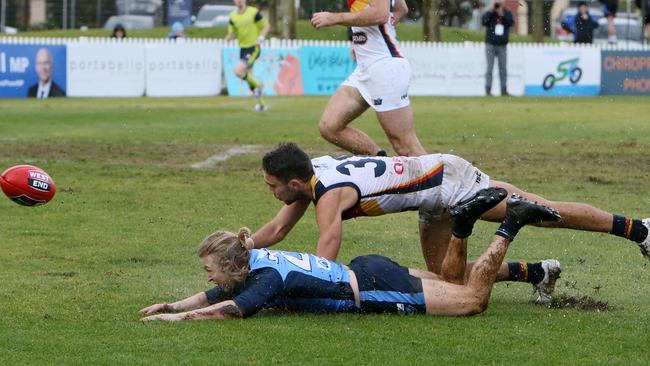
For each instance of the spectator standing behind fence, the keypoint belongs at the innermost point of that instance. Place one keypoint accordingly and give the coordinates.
(610, 7)
(178, 31)
(119, 31)
(497, 22)
(583, 25)
(646, 16)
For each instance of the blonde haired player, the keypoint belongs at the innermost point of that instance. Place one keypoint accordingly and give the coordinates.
(248, 280)
(250, 28)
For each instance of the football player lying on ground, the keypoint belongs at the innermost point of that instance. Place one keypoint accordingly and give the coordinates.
(248, 280)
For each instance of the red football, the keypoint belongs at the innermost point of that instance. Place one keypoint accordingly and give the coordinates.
(27, 185)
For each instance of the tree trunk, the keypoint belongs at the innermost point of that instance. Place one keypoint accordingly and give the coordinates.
(431, 21)
(273, 17)
(538, 20)
(288, 19)
(22, 14)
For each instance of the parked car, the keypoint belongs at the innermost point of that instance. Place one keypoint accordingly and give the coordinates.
(9, 30)
(629, 31)
(130, 21)
(568, 16)
(213, 16)
(139, 7)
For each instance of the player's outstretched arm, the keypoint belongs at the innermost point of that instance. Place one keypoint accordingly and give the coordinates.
(221, 311)
(376, 13)
(276, 229)
(193, 302)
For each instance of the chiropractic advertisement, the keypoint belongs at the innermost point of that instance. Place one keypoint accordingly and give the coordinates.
(625, 73)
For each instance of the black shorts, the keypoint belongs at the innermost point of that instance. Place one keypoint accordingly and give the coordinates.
(250, 54)
(387, 287)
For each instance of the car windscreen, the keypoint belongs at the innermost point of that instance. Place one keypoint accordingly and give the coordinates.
(208, 15)
(631, 31)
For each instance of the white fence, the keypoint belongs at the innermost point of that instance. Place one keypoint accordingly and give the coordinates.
(105, 67)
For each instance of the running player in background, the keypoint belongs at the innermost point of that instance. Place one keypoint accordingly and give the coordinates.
(249, 280)
(250, 29)
(380, 80)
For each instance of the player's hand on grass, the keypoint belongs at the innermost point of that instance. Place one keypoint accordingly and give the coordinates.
(156, 308)
(162, 317)
(324, 19)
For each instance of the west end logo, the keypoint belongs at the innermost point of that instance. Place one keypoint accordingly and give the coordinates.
(39, 181)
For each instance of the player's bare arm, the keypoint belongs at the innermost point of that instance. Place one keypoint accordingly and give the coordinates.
(376, 13)
(328, 217)
(275, 230)
(230, 36)
(221, 311)
(263, 33)
(193, 302)
(400, 10)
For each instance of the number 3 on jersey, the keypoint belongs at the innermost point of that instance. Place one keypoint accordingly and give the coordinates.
(379, 166)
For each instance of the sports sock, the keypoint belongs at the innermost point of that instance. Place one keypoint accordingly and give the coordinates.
(525, 272)
(508, 229)
(629, 228)
(462, 230)
(252, 83)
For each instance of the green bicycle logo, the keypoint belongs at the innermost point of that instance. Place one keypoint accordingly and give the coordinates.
(568, 68)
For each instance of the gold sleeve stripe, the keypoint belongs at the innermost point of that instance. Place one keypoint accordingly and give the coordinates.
(371, 208)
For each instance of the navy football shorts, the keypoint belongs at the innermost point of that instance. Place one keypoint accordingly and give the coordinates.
(387, 287)
(250, 54)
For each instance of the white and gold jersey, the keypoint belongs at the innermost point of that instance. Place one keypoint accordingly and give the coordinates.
(396, 184)
(373, 43)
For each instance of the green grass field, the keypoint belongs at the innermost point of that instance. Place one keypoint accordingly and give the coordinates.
(129, 213)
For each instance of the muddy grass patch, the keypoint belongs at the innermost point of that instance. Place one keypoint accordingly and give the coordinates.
(586, 303)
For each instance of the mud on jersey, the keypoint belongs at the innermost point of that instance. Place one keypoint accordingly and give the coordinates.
(384, 184)
(375, 42)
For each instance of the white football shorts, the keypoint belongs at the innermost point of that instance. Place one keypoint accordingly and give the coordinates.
(460, 181)
(384, 85)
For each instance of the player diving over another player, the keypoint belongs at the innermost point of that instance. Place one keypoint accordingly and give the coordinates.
(354, 186)
(248, 280)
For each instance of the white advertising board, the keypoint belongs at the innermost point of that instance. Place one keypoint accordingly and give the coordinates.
(563, 71)
(459, 70)
(183, 69)
(106, 69)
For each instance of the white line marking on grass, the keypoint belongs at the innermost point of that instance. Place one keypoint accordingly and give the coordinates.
(215, 159)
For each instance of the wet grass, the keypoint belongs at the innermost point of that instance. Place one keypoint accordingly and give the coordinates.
(129, 212)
